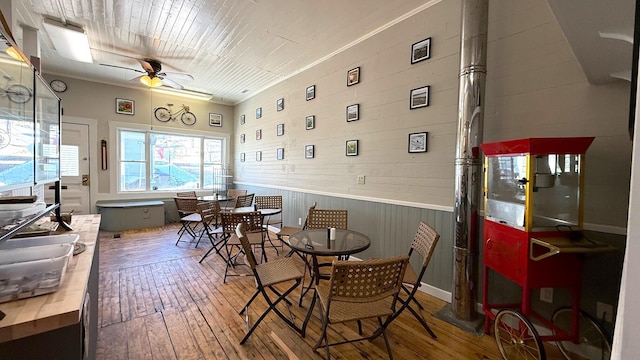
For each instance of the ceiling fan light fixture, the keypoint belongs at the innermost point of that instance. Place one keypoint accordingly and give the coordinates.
(69, 40)
(152, 82)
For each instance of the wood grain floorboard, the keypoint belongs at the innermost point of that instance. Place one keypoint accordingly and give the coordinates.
(156, 301)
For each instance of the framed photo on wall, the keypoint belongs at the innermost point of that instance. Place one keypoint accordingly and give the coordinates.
(421, 50)
(280, 129)
(242, 119)
(353, 112)
(310, 122)
(241, 157)
(309, 151)
(280, 104)
(124, 106)
(352, 147)
(353, 76)
(258, 113)
(419, 97)
(418, 142)
(259, 134)
(258, 155)
(280, 153)
(215, 119)
(241, 138)
(311, 92)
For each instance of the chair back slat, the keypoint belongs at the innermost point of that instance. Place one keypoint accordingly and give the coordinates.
(230, 221)
(209, 211)
(366, 281)
(244, 200)
(424, 242)
(268, 202)
(186, 205)
(186, 194)
(323, 218)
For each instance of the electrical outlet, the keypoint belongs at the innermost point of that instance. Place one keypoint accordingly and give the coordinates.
(361, 179)
(604, 311)
(299, 221)
(546, 295)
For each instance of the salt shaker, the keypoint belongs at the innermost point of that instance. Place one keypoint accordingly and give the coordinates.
(332, 233)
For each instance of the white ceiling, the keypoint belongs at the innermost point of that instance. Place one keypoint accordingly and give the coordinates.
(229, 46)
(235, 48)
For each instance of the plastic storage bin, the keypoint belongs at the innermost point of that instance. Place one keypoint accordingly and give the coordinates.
(32, 271)
(39, 241)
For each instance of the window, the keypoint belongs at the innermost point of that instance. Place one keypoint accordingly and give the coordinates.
(152, 160)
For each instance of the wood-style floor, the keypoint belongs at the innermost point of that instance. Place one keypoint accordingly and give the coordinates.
(157, 302)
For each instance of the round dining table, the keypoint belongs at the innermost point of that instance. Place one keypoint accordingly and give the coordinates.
(316, 242)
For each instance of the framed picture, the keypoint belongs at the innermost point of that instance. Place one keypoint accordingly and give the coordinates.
(258, 113)
(280, 104)
(280, 129)
(241, 157)
(259, 134)
(280, 153)
(124, 106)
(419, 97)
(352, 148)
(310, 121)
(309, 151)
(353, 76)
(242, 119)
(215, 119)
(258, 155)
(418, 142)
(421, 50)
(311, 92)
(353, 112)
(241, 138)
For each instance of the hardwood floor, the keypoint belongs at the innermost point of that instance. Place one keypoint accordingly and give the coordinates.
(157, 302)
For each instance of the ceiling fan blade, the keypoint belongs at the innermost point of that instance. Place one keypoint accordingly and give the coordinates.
(171, 83)
(136, 79)
(122, 67)
(177, 75)
(146, 66)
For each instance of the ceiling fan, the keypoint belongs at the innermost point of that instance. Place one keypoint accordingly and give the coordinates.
(154, 76)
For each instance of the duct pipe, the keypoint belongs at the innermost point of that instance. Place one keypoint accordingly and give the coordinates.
(473, 60)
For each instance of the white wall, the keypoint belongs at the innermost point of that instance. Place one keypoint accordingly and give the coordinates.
(535, 88)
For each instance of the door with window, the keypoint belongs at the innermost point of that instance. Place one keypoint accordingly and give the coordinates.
(74, 169)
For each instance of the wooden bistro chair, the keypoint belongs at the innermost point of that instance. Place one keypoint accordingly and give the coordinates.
(422, 247)
(232, 194)
(189, 217)
(271, 223)
(359, 290)
(254, 232)
(244, 200)
(210, 213)
(268, 275)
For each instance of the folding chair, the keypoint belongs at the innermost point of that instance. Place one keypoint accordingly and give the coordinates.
(268, 275)
(244, 201)
(271, 223)
(359, 290)
(290, 230)
(254, 232)
(210, 213)
(189, 217)
(232, 194)
(424, 243)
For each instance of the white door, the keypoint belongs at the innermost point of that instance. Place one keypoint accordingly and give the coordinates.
(74, 169)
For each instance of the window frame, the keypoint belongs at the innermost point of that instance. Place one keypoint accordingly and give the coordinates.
(115, 137)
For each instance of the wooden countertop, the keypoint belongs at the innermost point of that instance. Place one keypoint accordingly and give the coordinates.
(59, 309)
